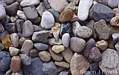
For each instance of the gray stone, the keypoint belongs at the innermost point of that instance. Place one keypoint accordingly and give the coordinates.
(21, 14)
(40, 46)
(2, 12)
(100, 11)
(66, 39)
(52, 41)
(113, 3)
(47, 20)
(62, 64)
(1, 28)
(19, 24)
(102, 1)
(27, 29)
(36, 28)
(63, 73)
(77, 44)
(30, 12)
(33, 53)
(15, 39)
(9, 1)
(50, 68)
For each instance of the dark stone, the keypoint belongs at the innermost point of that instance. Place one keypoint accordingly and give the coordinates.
(10, 27)
(1, 28)
(46, 4)
(55, 14)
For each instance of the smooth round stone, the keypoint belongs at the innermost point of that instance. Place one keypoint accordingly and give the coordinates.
(77, 44)
(40, 46)
(26, 60)
(15, 39)
(29, 2)
(45, 56)
(52, 41)
(84, 32)
(58, 48)
(2, 12)
(12, 8)
(102, 44)
(58, 5)
(33, 53)
(47, 20)
(114, 21)
(66, 39)
(4, 61)
(27, 46)
(62, 64)
(113, 3)
(13, 51)
(15, 64)
(63, 73)
(21, 14)
(83, 9)
(50, 68)
(27, 28)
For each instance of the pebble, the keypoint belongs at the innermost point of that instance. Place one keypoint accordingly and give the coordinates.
(66, 39)
(113, 3)
(15, 39)
(106, 65)
(62, 64)
(12, 8)
(21, 41)
(100, 11)
(9, 1)
(29, 2)
(114, 21)
(84, 32)
(58, 5)
(47, 20)
(52, 41)
(83, 9)
(102, 30)
(40, 46)
(63, 73)
(25, 59)
(41, 36)
(30, 12)
(13, 51)
(76, 26)
(4, 61)
(58, 48)
(10, 27)
(2, 12)
(33, 53)
(77, 44)
(21, 14)
(56, 57)
(102, 44)
(115, 37)
(78, 65)
(27, 28)
(50, 68)
(27, 46)
(15, 64)
(64, 16)
(45, 56)
(67, 54)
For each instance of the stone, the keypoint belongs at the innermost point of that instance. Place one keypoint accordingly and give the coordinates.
(40, 46)
(106, 65)
(67, 54)
(4, 61)
(27, 46)
(21, 41)
(29, 11)
(27, 28)
(63, 73)
(36, 28)
(41, 8)
(116, 11)
(114, 21)
(78, 65)
(15, 64)
(47, 20)
(84, 32)
(115, 37)
(102, 30)
(113, 3)
(25, 59)
(76, 26)
(9, 1)
(2, 12)
(35, 68)
(13, 51)
(21, 14)
(83, 9)
(50, 68)
(62, 64)
(29, 2)
(58, 5)
(77, 44)
(58, 48)
(64, 16)
(102, 44)
(15, 39)
(41, 36)
(45, 56)
(1, 28)
(19, 25)
(46, 4)
(56, 57)
(100, 11)
(52, 41)
(33, 53)
(10, 27)
(12, 8)
(66, 39)
(103, 1)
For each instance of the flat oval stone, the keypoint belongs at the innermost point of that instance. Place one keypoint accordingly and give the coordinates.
(47, 20)
(66, 39)
(40, 46)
